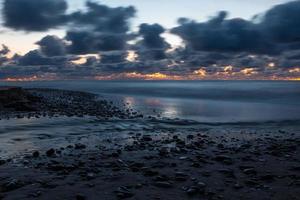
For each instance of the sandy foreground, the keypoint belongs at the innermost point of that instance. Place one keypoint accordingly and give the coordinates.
(159, 159)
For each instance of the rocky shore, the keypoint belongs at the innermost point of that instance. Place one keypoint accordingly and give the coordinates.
(160, 164)
(145, 158)
(16, 102)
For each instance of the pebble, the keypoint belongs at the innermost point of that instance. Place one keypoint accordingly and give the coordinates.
(36, 154)
(124, 193)
(80, 197)
(50, 152)
(162, 184)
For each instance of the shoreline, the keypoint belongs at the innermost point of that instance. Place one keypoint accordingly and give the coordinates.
(160, 162)
(37, 102)
(140, 158)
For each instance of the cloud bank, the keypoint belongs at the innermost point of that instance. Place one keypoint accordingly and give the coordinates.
(100, 44)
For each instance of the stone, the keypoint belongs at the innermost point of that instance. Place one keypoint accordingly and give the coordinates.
(80, 146)
(50, 152)
(201, 184)
(162, 184)
(224, 159)
(35, 154)
(12, 185)
(2, 162)
(149, 172)
(190, 137)
(180, 176)
(249, 171)
(124, 193)
(146, 138)
(80, 197)
(192, 190)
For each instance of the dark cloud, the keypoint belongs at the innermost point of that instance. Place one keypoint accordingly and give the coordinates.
(34, 15)
(152, 45)
(278, 30)
(86, 42)
(282, 22)
(5, 50)
(223, 35)
(35, 57)
(99, 28)
(52, 46)
(112, 58)
(221, 46)
(151, 34)
(3, 54)
(102, 18)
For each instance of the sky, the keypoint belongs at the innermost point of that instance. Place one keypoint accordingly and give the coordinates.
(143, 39)
(153, 11)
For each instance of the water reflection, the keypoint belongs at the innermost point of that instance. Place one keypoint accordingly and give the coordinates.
(211, 110)
(171, 111)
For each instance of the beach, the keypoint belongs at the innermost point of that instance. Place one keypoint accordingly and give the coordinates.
(59, 152)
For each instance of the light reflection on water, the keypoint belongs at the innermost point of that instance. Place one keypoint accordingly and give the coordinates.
(205, 101)
(210, 110)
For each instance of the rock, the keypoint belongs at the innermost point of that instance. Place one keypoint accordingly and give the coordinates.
(195, 164)
(190, 137)
(163, 151)
(238, 186)
(12, 185)
(149, 172)
(124, 193)
(146, 138)
(201, 185)
(138, 186)
(50, 152)
(137, 166)
(2, 162)
(80, 146)
(35, 154)
(35, 194)
(90, 176)
(295, 168)
(180, 176)
(249, 171)
(252, 182)
(180, 143)
(267, 177)
(115, 154)
(162, 184)
(161, 178)
(192, 190)
(227, 172)
(224, 159)
(80, 197)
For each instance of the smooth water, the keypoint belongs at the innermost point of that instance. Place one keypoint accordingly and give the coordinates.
(204, 101)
